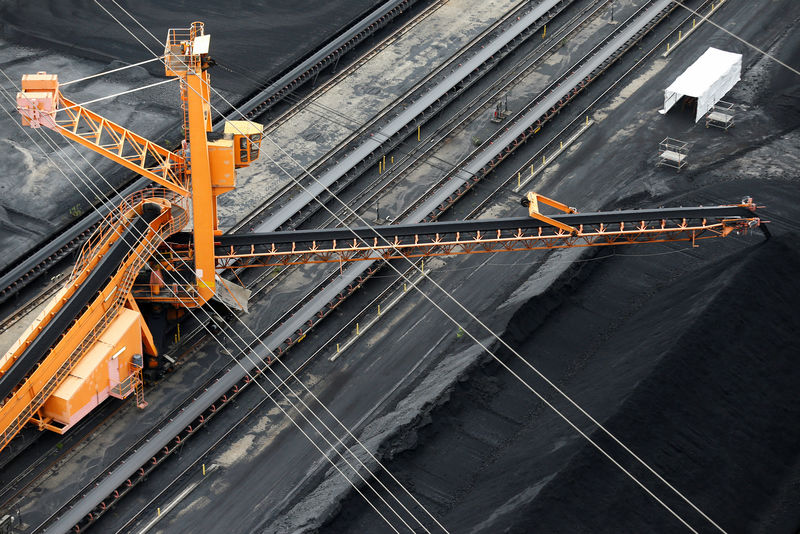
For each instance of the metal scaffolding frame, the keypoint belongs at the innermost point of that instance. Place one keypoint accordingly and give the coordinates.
(672, 153)
(721, 115)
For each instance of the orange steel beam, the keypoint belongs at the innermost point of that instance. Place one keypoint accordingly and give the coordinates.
(533, 200)
(41, 104)
(541, 239)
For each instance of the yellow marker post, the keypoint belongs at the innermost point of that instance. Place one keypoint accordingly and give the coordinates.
(391, 160)
(159, 511)
(693, 22)
(418, 132)
(531, 170)
(562, 145)
(379, 167)
(680, 35)
(587, 119)
(358, 332)
(179, 331)
(337, 347)
(544, 31)
(404, 287)
(384, 162)
(204, 469)
(379, 309)
(519, 178)
(667, 46)
(544, 159)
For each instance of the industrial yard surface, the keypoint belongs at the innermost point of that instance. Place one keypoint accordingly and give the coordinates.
(687, 354)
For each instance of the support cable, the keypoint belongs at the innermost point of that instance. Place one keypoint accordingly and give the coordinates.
(497, 337)
(115, 95)
(109, 71)
(338, 421)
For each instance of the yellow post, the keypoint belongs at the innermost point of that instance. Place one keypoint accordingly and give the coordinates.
(179, 331)
(384, 162)
(667, 46)
(562, 145)
(379, 309)
(693, 21)
(587, 119)
(357, 330)
(176, 338)
(531, 170)
(418, 132)
(404, 287)
(337, 347)
(379, 166)
(159, 511)
(544, 159)
(519, 178)
(680, 35)
(544, 31)
(204, 469)
(391, 160)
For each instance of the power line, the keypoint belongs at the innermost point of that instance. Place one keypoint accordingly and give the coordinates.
(371, 455)
(245, 352)
(563, 394)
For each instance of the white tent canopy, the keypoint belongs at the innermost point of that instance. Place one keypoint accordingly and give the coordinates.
(707, 79)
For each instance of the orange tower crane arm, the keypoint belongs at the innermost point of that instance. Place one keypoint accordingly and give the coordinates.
(41, 104)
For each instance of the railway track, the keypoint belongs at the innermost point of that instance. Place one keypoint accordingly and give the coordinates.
(311, 299)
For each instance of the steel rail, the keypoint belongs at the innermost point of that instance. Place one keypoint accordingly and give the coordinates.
(415, 157)
(529, 120)
(571, 126)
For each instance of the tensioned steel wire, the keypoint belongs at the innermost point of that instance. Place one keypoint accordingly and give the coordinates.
(594, 421)
(350, 434)
(601, 427)
(338, 421)
(245, 352)
(427, 297)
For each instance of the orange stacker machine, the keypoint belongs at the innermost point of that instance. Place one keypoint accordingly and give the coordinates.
(92, 341)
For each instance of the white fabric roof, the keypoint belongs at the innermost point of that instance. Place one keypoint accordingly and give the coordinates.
(707, 79)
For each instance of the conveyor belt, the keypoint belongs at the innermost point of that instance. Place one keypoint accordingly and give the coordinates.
(72, 309)
(472, 226)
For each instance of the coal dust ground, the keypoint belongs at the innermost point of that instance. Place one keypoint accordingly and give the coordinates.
(689, 356)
